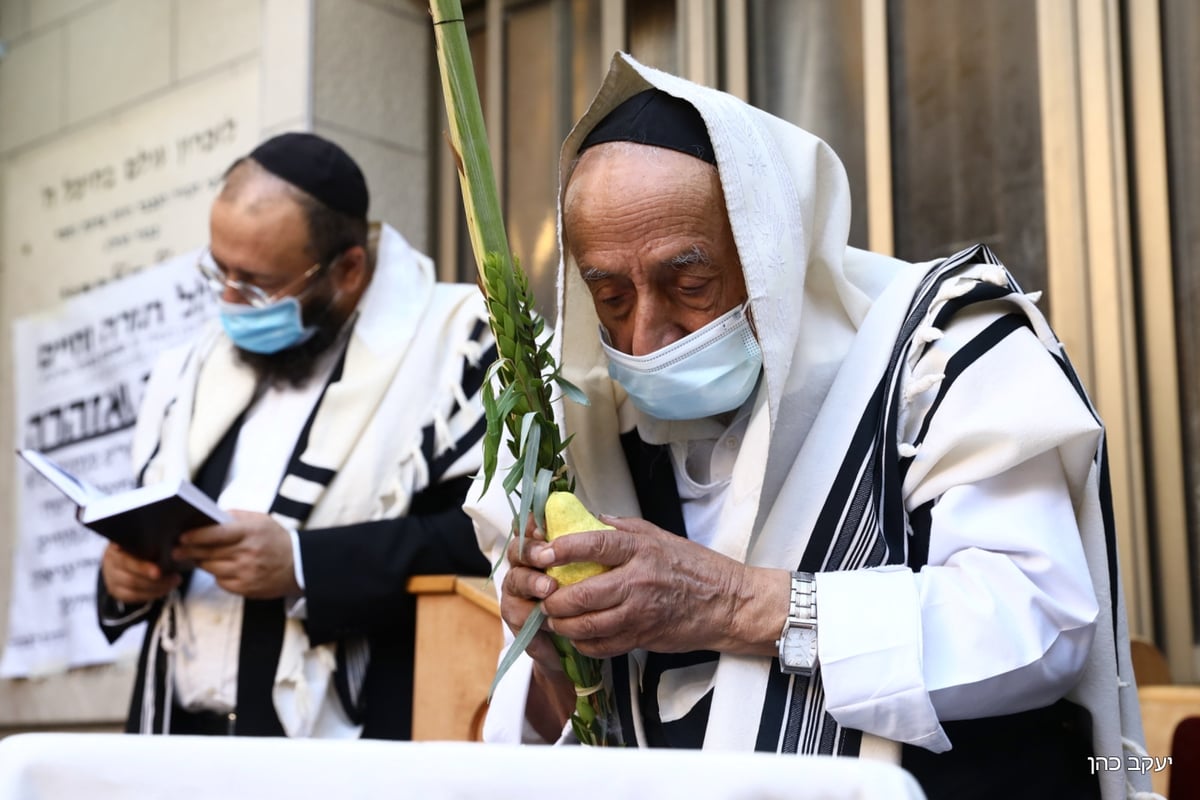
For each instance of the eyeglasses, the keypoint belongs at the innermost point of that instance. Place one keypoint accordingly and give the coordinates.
(254, 295)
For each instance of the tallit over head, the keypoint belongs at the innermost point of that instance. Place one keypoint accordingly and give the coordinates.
(839, 329)
(788, 202)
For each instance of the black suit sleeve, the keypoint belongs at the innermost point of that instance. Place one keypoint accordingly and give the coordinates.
(116, 617)
(355, 575)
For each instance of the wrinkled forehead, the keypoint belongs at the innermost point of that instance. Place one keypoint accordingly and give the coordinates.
(632, 166)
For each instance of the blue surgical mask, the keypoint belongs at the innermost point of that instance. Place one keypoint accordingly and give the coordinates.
(265, 329)
(707, 372)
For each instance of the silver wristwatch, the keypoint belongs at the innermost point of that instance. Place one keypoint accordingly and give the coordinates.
(798, 640)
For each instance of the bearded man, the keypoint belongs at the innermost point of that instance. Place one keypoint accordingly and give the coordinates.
(335, 410)
(859, 504)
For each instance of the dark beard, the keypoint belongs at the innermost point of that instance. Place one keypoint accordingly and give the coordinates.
(296, 365)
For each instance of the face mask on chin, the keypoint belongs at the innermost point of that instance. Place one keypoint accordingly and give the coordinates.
(708, 372)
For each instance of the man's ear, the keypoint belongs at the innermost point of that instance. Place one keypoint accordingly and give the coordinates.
(351, 273)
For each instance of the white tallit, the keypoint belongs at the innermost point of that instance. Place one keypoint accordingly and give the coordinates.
(827, 317)
(368, 430)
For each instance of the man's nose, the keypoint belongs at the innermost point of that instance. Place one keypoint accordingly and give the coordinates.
(231, 295)
(652, 330)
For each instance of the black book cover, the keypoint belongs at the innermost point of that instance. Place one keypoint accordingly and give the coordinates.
(146, 522)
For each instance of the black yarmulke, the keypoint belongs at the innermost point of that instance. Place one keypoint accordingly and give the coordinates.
(656, 118)
(319, 167)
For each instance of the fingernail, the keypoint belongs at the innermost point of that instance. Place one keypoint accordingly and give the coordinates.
(543, 556)
(545, 585)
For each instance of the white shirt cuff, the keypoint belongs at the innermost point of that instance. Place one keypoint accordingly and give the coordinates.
(869, 647)
(297, 607)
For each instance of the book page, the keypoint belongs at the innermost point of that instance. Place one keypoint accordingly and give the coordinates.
(79, 490)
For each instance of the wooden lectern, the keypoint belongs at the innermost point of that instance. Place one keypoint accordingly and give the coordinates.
(458, 642)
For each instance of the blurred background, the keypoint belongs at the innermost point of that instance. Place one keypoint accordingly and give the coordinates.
(1064, 134)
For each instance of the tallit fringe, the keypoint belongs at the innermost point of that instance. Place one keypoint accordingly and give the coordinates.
(411, 471)
(951, 290)
(460, 396)
(994, 274)
(443, 440)
(928, 334)
(471, 350)
(296, 676)
(163, 636)
(921, 385)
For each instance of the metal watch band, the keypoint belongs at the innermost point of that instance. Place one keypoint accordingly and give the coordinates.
(802, 606)
(797, 640)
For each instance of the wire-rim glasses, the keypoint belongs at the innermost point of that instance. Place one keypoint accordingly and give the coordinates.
(218, 281)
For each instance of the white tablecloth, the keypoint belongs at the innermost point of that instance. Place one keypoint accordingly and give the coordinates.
(63, 766)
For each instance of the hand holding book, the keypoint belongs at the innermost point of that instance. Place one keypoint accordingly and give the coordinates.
(251, 555)
(145, 522)
(134, 581)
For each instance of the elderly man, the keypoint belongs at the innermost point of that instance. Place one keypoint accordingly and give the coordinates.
(858, 503)
(335, 410)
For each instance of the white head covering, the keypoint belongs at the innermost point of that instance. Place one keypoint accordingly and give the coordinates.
(789, 208)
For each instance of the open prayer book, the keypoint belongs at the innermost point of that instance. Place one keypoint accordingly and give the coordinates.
(146, 521)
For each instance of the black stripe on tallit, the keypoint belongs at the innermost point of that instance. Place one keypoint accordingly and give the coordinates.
(470, 380)
(979, 293)
(291, 508)
(1110, 538)
(443, 462)
(921, 522)
(687, 732)
(474, 372)
(775, 703)
(623, 699)
(876, 527)
(891, 523)
(141, 476)
(968, 354)
(1106, 501)
(844, 486)
(653, 478)
(308, 472)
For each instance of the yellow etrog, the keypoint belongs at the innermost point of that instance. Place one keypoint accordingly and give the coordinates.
(564, 515)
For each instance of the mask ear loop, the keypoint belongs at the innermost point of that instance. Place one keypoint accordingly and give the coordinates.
(337, 292)
(749, 313)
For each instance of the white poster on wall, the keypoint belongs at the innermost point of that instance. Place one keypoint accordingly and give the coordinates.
(85, 216)
(79, 373)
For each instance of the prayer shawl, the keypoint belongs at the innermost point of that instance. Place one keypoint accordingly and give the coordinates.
(400, 413)
(824, 480)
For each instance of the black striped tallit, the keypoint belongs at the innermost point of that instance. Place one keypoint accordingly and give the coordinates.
(863, 522)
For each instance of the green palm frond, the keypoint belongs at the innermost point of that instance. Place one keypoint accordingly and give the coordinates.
(517, 395)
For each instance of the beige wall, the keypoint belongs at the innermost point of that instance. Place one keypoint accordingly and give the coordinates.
(357, 71)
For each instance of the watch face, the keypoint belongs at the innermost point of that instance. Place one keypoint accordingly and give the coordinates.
(799, 649)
